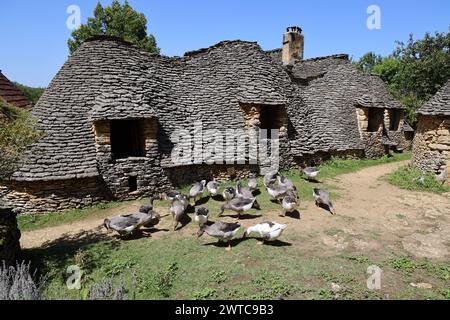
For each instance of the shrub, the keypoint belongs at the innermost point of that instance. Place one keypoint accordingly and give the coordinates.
(107, 291)
(18, 283)
(17, 132)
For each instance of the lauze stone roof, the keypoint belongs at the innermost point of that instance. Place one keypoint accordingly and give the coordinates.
(439, 104)
(107, 78)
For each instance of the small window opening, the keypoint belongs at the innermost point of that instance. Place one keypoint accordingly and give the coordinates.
(270, 118)
(127, 139)
(395, 116)
(376, 119)
(132, 183)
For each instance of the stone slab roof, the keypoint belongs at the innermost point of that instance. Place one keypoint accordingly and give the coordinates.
(439, 104)
(107, 78)
(331, 89)
(11, 94)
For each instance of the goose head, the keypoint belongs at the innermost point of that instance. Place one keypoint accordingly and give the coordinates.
(107, 224)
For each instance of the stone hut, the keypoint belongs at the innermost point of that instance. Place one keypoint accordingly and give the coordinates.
(431, 149)
(113, 113)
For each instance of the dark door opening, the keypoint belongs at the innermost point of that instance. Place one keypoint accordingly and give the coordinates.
(132, 183)
(376, 119)
(127, 139)
(395, 117)
(270, 118)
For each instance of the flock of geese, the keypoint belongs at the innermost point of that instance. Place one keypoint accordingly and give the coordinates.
(238, 199)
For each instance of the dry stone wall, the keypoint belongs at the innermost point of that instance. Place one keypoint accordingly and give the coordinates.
(431, 149)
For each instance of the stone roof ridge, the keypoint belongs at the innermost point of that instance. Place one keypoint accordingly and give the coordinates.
(338, 56)
(119, 40)
(218, 45)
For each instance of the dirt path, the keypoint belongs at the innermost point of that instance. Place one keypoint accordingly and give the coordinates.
(372, 216)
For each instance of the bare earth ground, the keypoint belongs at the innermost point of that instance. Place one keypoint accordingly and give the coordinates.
(372, 217)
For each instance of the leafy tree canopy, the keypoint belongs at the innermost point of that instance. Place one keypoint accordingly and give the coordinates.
(32, 93)
(415, 71)
(115, 20)
(17, 132)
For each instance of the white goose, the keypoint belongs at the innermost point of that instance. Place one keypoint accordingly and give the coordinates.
(268, 231)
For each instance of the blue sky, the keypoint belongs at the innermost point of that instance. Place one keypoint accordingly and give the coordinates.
(34, 35)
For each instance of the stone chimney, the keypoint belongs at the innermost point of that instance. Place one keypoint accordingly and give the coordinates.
(293, 45)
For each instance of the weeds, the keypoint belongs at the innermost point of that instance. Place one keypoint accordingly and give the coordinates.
(164, 280)
(206, 293)
(410, 178)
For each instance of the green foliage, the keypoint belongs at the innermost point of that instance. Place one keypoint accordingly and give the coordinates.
(411, 178)
(219, 277)
(415, 71)
(164, 280)
(206, 293)
(118, 267)
(359, 258)
(445, 293)
(32, 93)
(336, 166)
(409, 266)
(404, 264)
(115, 20)
(17, 131)
(368, 61)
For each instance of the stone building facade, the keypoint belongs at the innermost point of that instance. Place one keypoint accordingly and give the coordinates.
(113, 116)
(431, 149)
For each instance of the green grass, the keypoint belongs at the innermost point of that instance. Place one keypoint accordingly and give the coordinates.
(40, 221)
(184, 267)
(337, 166)
(408, 178)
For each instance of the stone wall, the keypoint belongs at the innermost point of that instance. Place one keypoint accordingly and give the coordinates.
(9, 237)
(52, 196)
(431, 148)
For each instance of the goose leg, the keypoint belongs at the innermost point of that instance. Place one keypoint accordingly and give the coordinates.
(260, 242)
(175, 225)
(228, 248)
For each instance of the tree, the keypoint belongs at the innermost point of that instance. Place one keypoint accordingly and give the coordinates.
(115, 20)
(415, 71)
(32, 93)
(368, 61)
(17, 132)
